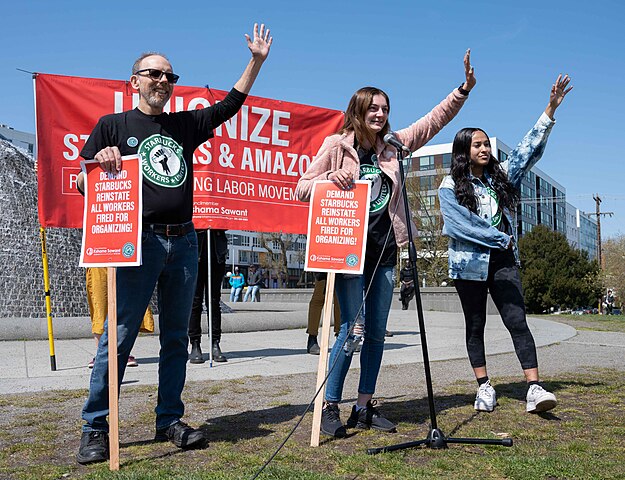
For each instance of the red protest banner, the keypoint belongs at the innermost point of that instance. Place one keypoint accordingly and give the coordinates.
(112, 215)
(337, 228)
(244, 177)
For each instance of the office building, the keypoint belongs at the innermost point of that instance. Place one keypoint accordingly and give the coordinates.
(25, 141)
(543, 199)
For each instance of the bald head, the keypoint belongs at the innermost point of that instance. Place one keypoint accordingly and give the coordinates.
(138, 62)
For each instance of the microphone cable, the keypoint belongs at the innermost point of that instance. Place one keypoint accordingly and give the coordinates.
(349, 333)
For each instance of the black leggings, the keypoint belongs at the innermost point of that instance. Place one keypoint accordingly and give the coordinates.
(504, 284)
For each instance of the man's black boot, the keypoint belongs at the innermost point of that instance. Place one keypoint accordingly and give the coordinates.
(182, 435)
(217, 355)
(312, 346)
(196, 352)
(94, 447)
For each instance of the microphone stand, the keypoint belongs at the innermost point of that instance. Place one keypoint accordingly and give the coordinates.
(435, 438)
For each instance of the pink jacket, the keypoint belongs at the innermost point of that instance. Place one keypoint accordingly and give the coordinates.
(337, 151)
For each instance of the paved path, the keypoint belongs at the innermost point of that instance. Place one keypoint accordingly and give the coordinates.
(25, 365)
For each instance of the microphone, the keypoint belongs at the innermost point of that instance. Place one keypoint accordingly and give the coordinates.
(390, 139)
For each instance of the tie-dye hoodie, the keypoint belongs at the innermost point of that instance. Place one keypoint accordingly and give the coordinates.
(472, 236)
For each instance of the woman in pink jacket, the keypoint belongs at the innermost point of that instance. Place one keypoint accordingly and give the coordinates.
(358, 151)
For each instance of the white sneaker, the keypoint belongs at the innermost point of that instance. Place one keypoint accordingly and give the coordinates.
(539, 399)
(486, 398)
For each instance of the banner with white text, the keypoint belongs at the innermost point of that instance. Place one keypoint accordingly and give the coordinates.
(244, 177)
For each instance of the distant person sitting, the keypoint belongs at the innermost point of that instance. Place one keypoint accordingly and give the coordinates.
(254, 280)
(237, 282)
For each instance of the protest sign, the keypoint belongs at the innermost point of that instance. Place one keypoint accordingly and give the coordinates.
(112, 215)
(337, 228)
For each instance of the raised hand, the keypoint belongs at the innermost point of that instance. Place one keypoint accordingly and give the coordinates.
(261, 43)
(557, 94)
(468, 72)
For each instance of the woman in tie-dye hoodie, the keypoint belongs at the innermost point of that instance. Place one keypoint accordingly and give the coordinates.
(476, 200)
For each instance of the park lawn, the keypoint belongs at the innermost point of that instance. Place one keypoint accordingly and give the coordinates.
(603, 323)
(583, 438)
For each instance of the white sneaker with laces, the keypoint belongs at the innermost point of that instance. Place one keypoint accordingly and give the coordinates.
(486, 398)
(539, 399)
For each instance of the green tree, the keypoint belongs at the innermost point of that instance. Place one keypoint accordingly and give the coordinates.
(554, 274)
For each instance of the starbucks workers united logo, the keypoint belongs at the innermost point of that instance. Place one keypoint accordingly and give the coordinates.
(162, 162)
(493, 200)
(380, 187)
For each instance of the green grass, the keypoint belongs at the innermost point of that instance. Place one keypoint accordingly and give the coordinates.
(584, 438)
(603, 323)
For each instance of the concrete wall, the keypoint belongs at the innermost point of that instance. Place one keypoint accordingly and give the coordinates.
(438, 299)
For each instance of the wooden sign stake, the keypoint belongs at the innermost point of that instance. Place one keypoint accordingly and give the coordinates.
(323, 359)
(113, 373)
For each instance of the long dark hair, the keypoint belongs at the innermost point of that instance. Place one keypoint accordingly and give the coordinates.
(356, 111)
(461, 169)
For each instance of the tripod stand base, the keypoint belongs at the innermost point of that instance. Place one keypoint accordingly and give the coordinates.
(437, 440)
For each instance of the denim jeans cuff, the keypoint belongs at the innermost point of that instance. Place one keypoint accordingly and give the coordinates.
(88, 428)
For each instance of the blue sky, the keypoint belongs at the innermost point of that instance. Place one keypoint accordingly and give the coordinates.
(323, 51)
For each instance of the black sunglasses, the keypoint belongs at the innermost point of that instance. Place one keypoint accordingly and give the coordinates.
(156, 74)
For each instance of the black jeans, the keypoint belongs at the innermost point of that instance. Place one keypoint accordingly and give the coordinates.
(406, 293)
(504, 284)
(201, 291)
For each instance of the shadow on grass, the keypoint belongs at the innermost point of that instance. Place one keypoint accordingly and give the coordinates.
(127, 462)
(250, 424)
(241, 426)
(415, 413)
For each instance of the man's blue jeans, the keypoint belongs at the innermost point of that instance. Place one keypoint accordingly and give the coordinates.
(252, 291)
(350, 290)
(172, 262)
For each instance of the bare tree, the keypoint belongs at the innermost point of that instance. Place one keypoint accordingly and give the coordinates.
(430, 243)
(277, 244)
(614, 272)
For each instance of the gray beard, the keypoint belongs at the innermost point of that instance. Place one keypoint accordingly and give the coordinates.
(154, 101)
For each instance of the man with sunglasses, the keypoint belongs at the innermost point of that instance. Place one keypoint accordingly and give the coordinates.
(165, 142)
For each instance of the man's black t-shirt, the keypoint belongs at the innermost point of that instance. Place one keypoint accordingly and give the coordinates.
(165, 144)
(380, 225)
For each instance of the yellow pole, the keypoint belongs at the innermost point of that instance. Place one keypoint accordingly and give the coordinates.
(46, 286)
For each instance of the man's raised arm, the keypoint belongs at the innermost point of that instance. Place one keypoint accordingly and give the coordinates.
(259, 46)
